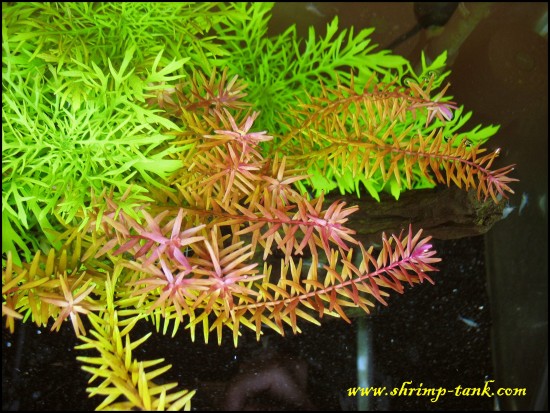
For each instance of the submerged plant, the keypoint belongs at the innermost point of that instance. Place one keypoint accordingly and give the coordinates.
(160, 187)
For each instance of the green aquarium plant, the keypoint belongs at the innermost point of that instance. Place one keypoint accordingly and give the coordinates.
(182, 182)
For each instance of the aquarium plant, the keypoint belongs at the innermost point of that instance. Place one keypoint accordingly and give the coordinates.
(168, 163)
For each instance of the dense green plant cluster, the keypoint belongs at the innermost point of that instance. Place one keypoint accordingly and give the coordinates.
(75, 77)
(155, 153)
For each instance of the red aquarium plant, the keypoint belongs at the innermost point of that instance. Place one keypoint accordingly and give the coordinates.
(192, 257)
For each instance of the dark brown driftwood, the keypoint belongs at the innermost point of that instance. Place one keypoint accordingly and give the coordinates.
(444, 213)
